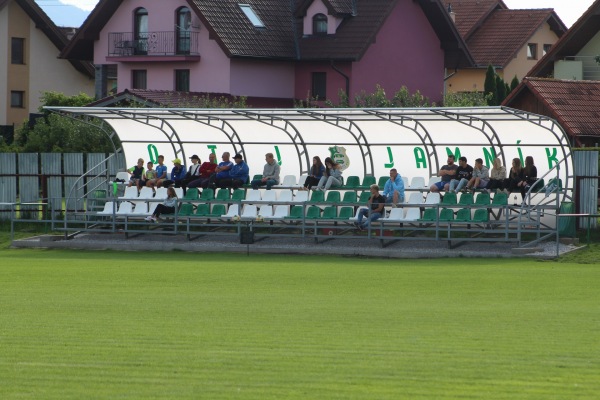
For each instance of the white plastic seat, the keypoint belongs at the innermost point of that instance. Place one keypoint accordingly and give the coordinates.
(179, 192)
(405, 180)
(131, 192)
(253, 195)
(161, 193)
(417, 182)
(412, 214)
(265, 211)
(269, 195)
(289, 181)
(152, 206)
(232, 211)
(141, 208)
(301, 197)
(108, 208)
(286, 196)
(249, 212)
(415, 198)
(301, 181)
(123, 176)
(396, 214)
(432, 198)
(146, 193)
(432, 180)
(125, 208)
(355, 218)
(281, 211)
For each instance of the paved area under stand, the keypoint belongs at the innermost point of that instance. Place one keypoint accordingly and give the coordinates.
(289, 245)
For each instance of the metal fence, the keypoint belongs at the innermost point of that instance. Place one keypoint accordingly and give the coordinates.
(52, 177)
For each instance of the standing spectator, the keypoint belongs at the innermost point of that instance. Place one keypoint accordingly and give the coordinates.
(206, 170)
(481, 176)
(136, 173)
(464, 172)
(376, 204)
(332, 177)
(222, 170)
(447, 172)
(177, 174)
(316, 173)
(497, 176)
(167, 207)
(393, 191)
(238, 174)
(161, 173)
(270, 173)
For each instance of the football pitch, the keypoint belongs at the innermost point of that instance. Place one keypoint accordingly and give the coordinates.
(127, 325)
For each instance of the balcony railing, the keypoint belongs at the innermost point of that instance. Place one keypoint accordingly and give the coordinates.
(591, 69)
(126, 44)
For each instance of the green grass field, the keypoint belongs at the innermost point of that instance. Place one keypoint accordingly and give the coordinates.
(110, 325)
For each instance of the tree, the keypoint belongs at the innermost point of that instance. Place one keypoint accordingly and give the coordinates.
(378, 99)
(490, 86)
(466, 99)
(500, 90)
(514, 83)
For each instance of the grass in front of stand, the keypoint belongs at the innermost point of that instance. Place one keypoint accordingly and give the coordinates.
(177, 325)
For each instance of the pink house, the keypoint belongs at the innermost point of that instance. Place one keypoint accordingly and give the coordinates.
(270, 49)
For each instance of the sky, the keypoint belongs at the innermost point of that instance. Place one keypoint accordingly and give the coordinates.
(74, 12)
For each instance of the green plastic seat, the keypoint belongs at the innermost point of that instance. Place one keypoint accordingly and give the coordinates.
(349, 198)
(346, 213)
(463, 215)
(208, 194)
(481, 215)
(313, 212)
(295, 213)
(364, 197)
(449, 199)
(222, 195)
(238, 194)
(466, 199)
(254, 178)
(186, 210)
(330, 212)
(557, 183)
(317, 196)
(217, 210)
(381, 182)
(447, 215)
(538, 187)
(333, 196)
(367, 182)
(353, 182)
(482, 199)
(202, 210)
(429, 215)
(191, 194)
(500, 199)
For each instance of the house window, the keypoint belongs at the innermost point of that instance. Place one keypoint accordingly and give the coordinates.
(17, 54)
(17, 99)
(252, 16)
(182, 80)
(184, 27)
(546, 49)
(319, 85)
(138, 79)
(111, 79)
(532, 51)
(320, 24)
(140, 31)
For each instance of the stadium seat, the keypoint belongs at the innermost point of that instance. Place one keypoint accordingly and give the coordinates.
(481, 216)
(301, 181)
(280, 212)
(122, 176)
(404, 180)
(208, 194)
(446, 215)
(317, 196)
(161, 193)
(538, 187)
(289, 181)
(186, 210)
(415, 198)
(330, 212)
(249, 212)
(108, 208)
(397, 214)
(556, 183)
(429, 215)
(353, 182)
(364, 197)
(432, 198)
(192, 194)
(254, 178)
(238, 194)
(412, 214)
(253, 195)
(131, 192)
(449, 199)
(368, 180)
(232, 211)
(140, 208)
(269, 196)
(500, 199)
(125, 208)
(222, 194)
(301, 197)
(295, 213)
(313, 212)
(152, 206)
(146, 193)
(179, 192)
(482, 199)
(417, 182)
(349, 198)
(286, 196)
(432, 180)
(345, 213)
(466, 199)
(333, 196)
(463, 215)
(381, 181)
(202, 210)
(217, 210)
(265, 211)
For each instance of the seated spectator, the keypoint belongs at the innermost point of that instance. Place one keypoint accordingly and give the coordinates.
(529, 176)
(169, 206)
(206, 170)
(147, 176)
(177, 174)
(515, 177)
(480, 177)
(393, 191)
(376, 205)
(270, 173)
(332, 177)
(136, 173)
(447, 172)
(464, 173)
(222, 170)
(192, 174)
(161, 174)
(238, 174)
(497, 176)
(316, 173)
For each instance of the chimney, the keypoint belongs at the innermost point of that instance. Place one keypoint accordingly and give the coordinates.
(451, 13)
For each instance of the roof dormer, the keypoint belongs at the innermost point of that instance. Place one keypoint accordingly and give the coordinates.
(319, 20)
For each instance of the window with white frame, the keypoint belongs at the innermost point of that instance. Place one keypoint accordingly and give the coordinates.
(252, 16)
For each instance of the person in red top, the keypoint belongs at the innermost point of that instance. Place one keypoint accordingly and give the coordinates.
(206, 170)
